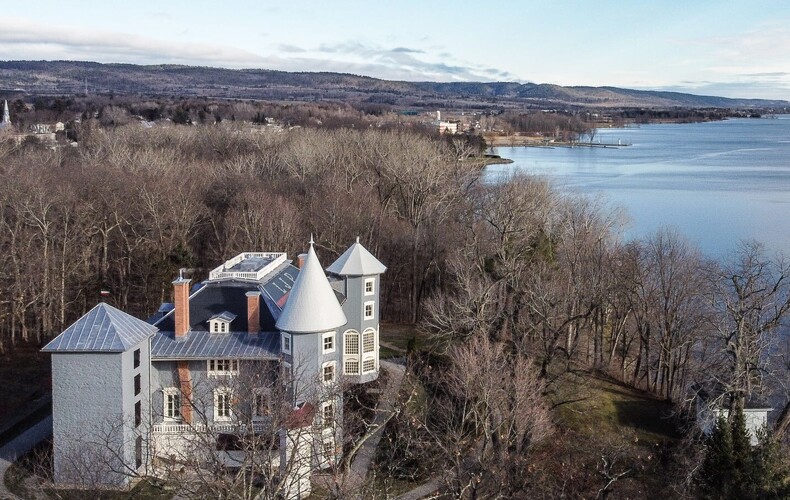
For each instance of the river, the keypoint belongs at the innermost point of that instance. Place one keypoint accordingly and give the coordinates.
(717, 182)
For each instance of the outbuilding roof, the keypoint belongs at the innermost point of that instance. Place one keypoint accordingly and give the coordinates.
(357, 261)
(312, 305)
(102, 329)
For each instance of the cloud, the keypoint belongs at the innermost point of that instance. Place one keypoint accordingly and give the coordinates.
(401, 63)
(291, 49)
(23, 39)
(408, 50)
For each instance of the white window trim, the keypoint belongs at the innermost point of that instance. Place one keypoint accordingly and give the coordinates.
(167, 392)
(372, 304)
(355, 360)
(372, 291)
(324, 423)
(362, 365)
(219, 326)
(286, 337)
(348, 333)
(325, 365)
(323, 342)
(233, 368)
(328, 450)
(368, 331)
(352, 356)
(224, 391)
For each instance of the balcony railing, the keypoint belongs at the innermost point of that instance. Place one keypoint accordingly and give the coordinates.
(223, 428)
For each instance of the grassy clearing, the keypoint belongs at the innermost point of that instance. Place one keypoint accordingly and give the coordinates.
(396, 338)
(604, 405)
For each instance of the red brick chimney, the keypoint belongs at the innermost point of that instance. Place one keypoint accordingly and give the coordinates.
(185, 381)
(300, 260)
(181, 301)
(253, 312)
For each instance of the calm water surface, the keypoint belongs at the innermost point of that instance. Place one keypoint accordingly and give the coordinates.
(717, 183)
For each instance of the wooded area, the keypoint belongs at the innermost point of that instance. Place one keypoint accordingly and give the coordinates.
(508, 276)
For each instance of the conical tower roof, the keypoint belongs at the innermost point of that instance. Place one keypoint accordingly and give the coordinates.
(357, 261)
(102, 329)
(312, 305)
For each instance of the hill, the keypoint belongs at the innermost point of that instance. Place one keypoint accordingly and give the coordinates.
(71, 77)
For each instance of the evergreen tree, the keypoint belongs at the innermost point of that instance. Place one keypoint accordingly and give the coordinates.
(734, 469)
(719, 465)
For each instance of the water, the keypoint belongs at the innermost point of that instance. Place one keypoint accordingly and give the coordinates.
(717, 183)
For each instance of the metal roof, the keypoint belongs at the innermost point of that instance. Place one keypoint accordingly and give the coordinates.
(226, 316)
(230, 296)
(357, 261)
(206, 345)
(312, 305)
(103, 329)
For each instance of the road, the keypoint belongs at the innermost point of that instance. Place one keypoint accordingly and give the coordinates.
(18, 447)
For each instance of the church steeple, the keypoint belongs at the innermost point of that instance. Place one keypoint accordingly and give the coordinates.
(6, 115)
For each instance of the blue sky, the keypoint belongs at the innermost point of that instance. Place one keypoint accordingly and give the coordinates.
(729, 48)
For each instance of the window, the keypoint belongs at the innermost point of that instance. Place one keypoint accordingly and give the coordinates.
(261, 403)
(352, 367)
(218, 367)
(137, 384)
(369, 309)
(138, 452)
(329, 342)
(327, 414)
(222, 405)
(286, 343)
(329, 450)
(220, 323)
(351, 353)
(370, 286)
(172, 401)
(329, 372)
(368, 365)
(369, 341)
(138, 414)
(352, 343)
(137, 358)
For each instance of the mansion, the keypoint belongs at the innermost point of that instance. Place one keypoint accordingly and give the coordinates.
(260, 331)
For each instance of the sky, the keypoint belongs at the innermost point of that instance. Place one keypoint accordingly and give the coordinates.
(711, 47)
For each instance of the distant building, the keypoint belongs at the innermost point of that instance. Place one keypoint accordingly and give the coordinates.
(445, 126)
(146, 387)
(709, 409)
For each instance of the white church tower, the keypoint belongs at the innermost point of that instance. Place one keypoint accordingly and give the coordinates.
(6, 116)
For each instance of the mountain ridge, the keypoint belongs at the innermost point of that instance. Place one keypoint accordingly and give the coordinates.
(70, 77)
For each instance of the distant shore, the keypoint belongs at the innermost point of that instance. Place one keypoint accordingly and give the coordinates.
(494, 141)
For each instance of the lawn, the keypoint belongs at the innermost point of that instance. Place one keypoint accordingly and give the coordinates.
(395, 339)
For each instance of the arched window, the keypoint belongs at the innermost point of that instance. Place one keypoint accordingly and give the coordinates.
(351, 352)
(369, 341)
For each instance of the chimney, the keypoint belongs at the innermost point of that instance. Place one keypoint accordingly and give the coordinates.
(300, 260)
(253, 312)
(185, 381)
(181, 301)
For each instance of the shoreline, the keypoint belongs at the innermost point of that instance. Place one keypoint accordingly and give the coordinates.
(541, 142)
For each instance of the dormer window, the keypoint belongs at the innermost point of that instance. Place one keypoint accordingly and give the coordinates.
(220, 323)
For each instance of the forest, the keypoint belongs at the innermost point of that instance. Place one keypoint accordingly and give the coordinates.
(521, 292)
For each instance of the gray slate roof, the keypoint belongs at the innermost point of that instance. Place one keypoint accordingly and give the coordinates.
(357, 261)
(206, 345)
(103, 329)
